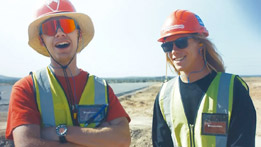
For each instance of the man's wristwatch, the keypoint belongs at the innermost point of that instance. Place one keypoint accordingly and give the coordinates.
(61, 131)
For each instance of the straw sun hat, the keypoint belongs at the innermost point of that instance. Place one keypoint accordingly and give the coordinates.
(57, 8)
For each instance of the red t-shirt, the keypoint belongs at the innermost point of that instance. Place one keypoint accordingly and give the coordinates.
(23, 108)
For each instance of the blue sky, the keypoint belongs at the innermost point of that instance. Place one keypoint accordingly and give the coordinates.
(126, 33)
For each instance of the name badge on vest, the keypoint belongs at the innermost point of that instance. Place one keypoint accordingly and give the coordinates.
(214, 124)
(91, 114)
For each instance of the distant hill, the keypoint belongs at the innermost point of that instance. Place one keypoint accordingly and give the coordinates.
(9, 80)
(137, 79)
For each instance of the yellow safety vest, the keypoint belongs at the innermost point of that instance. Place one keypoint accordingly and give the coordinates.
(213, 116)
(52, 102)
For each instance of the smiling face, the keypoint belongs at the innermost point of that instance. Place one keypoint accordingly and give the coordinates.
(62, 46)
(188, 59)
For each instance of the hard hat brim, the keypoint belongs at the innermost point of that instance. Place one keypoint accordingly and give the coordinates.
(163, 38)
(83, 20)
(174, 37)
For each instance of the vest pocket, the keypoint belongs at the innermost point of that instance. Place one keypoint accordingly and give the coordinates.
(91, 113)
(214, 124)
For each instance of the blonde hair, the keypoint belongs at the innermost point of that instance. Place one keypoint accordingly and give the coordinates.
(212, 58)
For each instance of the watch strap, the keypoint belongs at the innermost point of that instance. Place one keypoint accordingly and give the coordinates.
(62, 139)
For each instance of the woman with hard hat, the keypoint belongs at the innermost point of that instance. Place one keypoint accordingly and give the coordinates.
(203, 106)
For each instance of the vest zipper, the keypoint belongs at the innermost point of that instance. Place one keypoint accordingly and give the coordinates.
(191, 133)
(192, 126)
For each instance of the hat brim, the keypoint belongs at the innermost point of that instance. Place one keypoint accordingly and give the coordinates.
(174, 37)
(83, 20)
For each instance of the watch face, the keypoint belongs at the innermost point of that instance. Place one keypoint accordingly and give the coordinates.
(61, 130)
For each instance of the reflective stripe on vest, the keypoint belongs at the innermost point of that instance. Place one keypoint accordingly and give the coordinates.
(52, 102)
(217, 101)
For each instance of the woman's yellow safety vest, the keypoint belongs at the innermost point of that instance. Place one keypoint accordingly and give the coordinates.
(52, 102)
(213, 116)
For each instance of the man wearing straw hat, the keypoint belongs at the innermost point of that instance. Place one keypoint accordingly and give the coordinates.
(63, 104)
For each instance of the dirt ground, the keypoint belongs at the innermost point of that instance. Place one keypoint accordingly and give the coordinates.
(139, 106)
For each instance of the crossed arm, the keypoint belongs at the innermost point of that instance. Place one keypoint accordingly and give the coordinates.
(114, 133)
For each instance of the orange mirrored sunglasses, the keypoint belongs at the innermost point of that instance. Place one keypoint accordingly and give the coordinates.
(50, 27)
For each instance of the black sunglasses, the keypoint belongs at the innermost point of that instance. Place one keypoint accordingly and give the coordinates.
(180, 43)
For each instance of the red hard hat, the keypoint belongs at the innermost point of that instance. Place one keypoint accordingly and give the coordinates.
(56, 7)
(182, 22)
